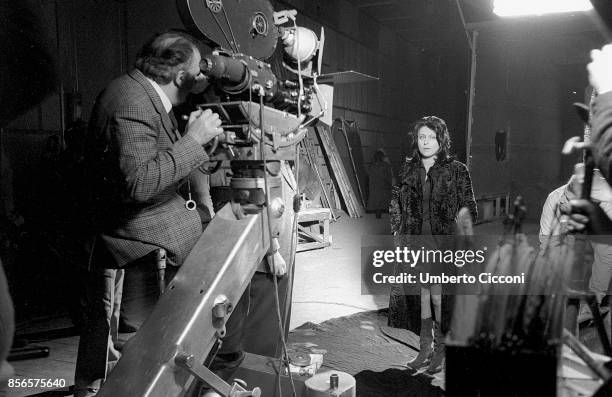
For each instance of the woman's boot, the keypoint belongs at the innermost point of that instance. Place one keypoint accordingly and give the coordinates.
(425, 340)
(437, 360)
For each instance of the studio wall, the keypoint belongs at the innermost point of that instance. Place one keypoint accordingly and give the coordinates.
(525, 83)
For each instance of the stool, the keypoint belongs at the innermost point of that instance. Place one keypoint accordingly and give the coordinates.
(307, 239)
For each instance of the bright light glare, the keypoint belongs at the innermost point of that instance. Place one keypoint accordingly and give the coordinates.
(513, 8)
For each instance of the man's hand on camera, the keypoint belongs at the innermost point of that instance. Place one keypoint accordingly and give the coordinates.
(585, 215)
(203, 126)
(599, 69)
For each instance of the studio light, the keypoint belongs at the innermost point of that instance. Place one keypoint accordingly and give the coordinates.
(514, 8)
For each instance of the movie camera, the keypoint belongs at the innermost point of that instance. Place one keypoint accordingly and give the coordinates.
(264, 118)
(257, 107)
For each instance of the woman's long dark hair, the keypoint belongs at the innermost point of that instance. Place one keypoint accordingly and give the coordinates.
(437, 125)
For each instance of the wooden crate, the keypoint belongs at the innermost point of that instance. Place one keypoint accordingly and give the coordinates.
(309, 219)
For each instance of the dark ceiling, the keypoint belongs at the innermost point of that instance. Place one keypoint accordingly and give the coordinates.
(439, 24)
(428, 24)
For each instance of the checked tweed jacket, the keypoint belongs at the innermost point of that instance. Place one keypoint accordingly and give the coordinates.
(136, 162)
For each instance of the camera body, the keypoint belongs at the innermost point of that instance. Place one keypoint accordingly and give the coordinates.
(264, 116)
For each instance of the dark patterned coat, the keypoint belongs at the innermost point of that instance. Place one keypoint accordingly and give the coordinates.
(137, 160)
(451, 189)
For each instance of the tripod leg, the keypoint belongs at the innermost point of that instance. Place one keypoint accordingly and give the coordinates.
(601, 330)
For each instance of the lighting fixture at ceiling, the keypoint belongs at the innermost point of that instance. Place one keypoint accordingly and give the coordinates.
(514, 8)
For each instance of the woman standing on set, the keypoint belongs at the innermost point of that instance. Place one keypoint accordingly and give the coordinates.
(432, 189)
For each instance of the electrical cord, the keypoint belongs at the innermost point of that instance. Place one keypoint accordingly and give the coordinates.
(296, 209)
(291, 262)
(262, 143)
(262, 151)
(262, 154)
(219, 343)
(283, 341)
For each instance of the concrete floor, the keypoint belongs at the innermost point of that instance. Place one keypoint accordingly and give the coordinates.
(328, 281)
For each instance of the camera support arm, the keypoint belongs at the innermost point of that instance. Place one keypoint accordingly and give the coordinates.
(176, 338)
